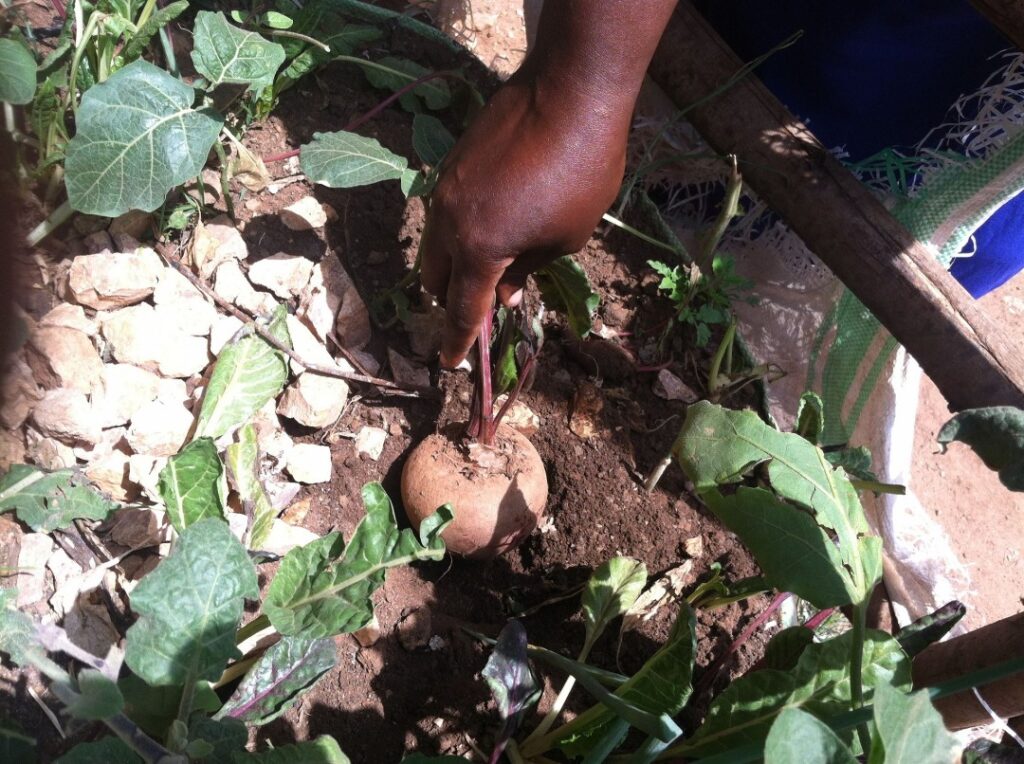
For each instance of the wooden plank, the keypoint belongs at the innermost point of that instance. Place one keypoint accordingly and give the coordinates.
(1006, 15)
(842, 222)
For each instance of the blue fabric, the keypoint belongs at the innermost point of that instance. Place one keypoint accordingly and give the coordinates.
(874, 74)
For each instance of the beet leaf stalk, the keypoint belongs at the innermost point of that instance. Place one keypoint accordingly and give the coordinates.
(483, 421)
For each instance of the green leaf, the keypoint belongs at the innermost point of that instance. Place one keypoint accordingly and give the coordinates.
(276, 20)
(157, 20)
(810, 418)
(154, 708)
(18, 638)
(430, 139)
(856, 461)
(278, 678)
(221, 738)
(610, 592)
(661, 686)
(189, 607)
(512, 683)
(108, 750)
(226, 54)
(392, 73)
(138, 137)
(792, 550)
(564, 287)
(930, 628)
(248, 373)
(98, 697)
(15, 743)
(342, 42)
(17, 72)
(909, 730)
(323, 588)
(996, 434)
(47, 501)
(323, 750)
(345, 160)
(243, 464)
(798, 736)
(786, 647)
(191, 484)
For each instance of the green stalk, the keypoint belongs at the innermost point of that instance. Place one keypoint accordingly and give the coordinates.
(225, 188)
(860, 616)
(641, 235)
(563, 695)
(147, 11)
(297, 36)
(56, 219)
(716, 361)
(71, 98)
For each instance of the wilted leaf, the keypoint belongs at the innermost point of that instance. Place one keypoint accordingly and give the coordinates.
(344, 160)
(192, 484)
(224, 53)
(908, 729)
(107, 750)
(668, 588)
(996, 434)
(248, 373)
(564, 287)
(611, 591)
(391, 73)
(278, 678)
(430, 139)
(810, 418)
(324, 588)
(512, 683)
(138, 137)
(798, 736)
(323, 750)
(46, 501)
(189, 607)
(928, 629)
(243, 463)
(17, 72)
(98, 697)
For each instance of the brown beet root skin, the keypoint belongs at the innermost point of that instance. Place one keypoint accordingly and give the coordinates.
(495, 509)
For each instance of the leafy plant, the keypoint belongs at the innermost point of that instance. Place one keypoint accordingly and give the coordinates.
(996, 435)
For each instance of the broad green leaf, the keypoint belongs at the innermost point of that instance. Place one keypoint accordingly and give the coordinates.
(392, 73)
(17, 72)
(276, 20)
(908, 729)
(323, 750)
(798, 736)
(107, 750)
(345, 160)
(610, 592)
(513, 685)
(810, 418)
(930, 628)
(243, 463)
(138, 137)
(18, 638)
(189, 607)
(996, 434)
(323, 588)
(564, 287)
(191, 484)
(221, 738)
(430, 139)
(98, 697)
(154, 708)
(792, 550)
(47, 501)
(661, 686)
(248, 373)
(226, 54)
(278, 679)
(786, 647)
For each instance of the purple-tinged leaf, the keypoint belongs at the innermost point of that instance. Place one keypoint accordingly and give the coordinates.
(512, 684)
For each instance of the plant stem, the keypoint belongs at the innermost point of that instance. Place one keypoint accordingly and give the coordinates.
(72, 95)
(716, 361)
(642, 236)
(298, 36)
(483, 384)
(860, 617)
(56, 219)
(188, 694)
(659, 469)
(225, 188)
(147, 11)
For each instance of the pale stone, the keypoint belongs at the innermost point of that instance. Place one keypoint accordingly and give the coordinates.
(137, 335)
(405, 372)
(214, 243)
(424, 330)
(144, 471)
(232, 285)
(284, 275)
(173, 391)
(69, 316)
(49, 453)
(159, 428)
(309, 348)
(331, 302)
(284, 537)
(180, 304)
(135, 223)
(123, 390)
(12, 449)
(109, 440)
(124, 242)
(65, 358)
(222, 331)
(110, 474)
(36, 549)
(672, 388)
(314, 400)
(67, 415)
(309, 463)
(353, 323)
(519, 416)
(270, 436)
(370, 441)
(18, 392)
(114, 279)
(281, 492)
(369, 634)
(304, 215)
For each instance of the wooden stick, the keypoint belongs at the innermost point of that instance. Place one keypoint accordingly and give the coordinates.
(1006, 15)
(841, 221)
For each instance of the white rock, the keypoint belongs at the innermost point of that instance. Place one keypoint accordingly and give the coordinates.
(173, 391)
(232, 285)
(284, 537)
(370, 441)
(19, 392)
(144, 471)
(406, 372)
(284, 275)
(109, 440)
(331, 302)
(159, 428)
(179, 303)
(672, 388)
(12, 449)
(304, 215)
(309, 348)
(137, 335)
(309, 463)
(123, 390)
(281, 492)
(69, 316)
(314, 400)
(67, 415)
(68, 357)
(214, 243)
(223, 329)
(49, 453)
(270, 436)
(519, 416)
(110, 474)
(114, 279)
(36, 549)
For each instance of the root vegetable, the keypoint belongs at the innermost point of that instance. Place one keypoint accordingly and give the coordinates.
(498, 492)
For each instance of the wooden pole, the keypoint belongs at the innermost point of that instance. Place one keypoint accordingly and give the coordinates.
(842, 222)
(1006, 15)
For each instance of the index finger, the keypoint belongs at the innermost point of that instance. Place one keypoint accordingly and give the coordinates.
(470, 296)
